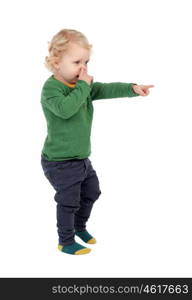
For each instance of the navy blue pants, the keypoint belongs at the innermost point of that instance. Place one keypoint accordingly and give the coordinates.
(77, 188)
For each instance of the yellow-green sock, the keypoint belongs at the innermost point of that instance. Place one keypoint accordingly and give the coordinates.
(86, 237)
(75, 249)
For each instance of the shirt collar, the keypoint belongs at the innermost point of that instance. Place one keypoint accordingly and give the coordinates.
(72, 85)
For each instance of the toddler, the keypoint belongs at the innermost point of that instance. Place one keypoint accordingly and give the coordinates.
(66, 100)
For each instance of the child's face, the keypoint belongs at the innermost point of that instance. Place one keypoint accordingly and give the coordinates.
(69, 67)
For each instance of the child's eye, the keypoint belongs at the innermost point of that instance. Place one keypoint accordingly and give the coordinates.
(76, 62)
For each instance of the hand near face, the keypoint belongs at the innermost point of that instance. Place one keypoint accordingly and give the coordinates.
(84, 76)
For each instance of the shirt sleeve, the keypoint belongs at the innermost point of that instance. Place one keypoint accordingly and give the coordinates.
(65, 106)
(100, 90)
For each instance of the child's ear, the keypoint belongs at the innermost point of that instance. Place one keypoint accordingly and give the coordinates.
(56, 64)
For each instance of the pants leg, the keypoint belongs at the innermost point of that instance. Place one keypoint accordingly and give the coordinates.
(68, 202)
(90, 192)
(66, 178)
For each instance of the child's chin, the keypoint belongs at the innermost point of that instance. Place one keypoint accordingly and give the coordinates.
(74, 81)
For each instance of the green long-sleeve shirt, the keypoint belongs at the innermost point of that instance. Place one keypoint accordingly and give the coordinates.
(69, 112)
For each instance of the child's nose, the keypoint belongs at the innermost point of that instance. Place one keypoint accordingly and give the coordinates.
(84, 67)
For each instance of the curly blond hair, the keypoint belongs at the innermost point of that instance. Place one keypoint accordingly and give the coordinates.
(59, 45)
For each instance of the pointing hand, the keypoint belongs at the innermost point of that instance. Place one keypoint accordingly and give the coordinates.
(142, 90)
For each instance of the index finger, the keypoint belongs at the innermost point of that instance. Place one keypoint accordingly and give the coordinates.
(149, 86)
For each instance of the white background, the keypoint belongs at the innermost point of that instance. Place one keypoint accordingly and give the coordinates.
(141, 147)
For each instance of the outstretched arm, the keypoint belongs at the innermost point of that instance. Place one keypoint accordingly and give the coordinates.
(100, 90)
